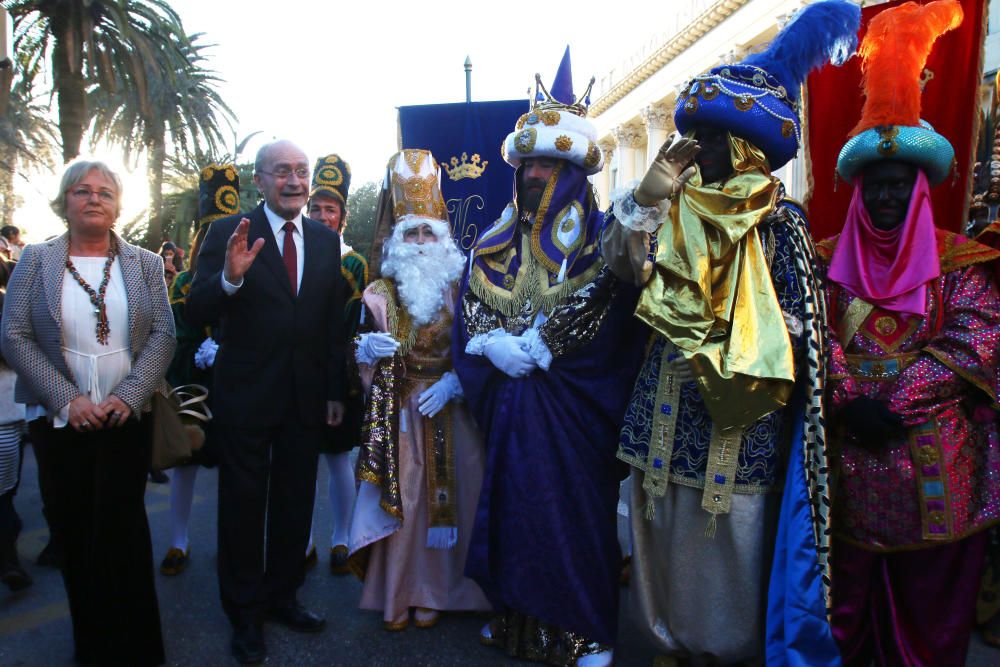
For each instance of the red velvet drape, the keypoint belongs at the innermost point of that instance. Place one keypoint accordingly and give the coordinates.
(950, 104)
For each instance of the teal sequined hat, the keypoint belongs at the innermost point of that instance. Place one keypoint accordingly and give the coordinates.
(894, 53)
(920, 146)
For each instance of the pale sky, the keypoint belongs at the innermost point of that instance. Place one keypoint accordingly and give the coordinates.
(330, 75)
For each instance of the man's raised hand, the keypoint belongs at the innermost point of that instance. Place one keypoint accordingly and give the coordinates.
(240, 255)
(670, 170)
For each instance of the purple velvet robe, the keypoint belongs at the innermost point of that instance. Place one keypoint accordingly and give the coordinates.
(544, 542)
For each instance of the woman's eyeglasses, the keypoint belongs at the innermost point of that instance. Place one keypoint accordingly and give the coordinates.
(84, 193)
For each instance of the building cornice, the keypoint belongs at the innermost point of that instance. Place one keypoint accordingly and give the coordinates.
(673, 47)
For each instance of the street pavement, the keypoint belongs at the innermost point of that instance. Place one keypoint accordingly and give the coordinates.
(35, 627)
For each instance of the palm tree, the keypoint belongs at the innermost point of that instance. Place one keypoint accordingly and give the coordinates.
(103, 44)
(184, 111)
(26, 140)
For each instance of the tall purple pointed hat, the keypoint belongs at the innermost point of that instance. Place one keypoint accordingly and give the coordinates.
(556, 126)
(566, 227)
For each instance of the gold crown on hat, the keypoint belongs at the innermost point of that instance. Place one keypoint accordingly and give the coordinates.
(579, 106)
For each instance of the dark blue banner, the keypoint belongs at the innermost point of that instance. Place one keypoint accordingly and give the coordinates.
(466, 138)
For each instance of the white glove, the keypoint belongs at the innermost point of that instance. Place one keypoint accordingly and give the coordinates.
(508, 354)
(204, 357)
(375, 346)
(435, 397)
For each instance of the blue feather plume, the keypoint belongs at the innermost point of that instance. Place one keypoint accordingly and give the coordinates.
(822, 32)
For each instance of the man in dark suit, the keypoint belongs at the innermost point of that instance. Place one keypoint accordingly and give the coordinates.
(271, 283)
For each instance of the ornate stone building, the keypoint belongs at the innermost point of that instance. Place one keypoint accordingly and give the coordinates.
(633, 103)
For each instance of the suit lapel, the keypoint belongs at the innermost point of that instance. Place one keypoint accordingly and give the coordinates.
(131, 267)
(53, 269)
(269, 254)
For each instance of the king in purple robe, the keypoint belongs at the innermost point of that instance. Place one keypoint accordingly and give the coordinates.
(547, 351)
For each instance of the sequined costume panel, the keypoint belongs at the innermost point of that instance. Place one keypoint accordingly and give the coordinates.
(939, 373)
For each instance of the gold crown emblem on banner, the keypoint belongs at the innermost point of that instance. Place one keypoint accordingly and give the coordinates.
(465, 169)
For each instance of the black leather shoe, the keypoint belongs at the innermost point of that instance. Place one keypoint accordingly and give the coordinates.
(296, 617)
(248, 644)
(158, 477)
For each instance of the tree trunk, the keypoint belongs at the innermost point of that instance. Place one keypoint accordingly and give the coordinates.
(8, 200)
(8, 155)
(68, 80)
(157, 157)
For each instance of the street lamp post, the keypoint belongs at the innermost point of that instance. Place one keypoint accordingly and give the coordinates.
(468, 79)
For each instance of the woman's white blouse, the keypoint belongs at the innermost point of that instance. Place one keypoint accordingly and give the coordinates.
(96, 368)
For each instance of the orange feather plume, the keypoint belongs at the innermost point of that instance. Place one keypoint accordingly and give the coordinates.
(894, 53)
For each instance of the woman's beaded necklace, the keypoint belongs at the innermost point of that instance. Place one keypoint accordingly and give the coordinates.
(97, 298)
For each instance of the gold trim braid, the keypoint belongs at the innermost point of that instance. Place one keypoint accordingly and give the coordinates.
(398, 320)
(439, 453)
(663, 432)
(855, 315)
(531, 284)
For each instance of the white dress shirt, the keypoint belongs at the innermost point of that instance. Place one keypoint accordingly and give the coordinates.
(277, 223)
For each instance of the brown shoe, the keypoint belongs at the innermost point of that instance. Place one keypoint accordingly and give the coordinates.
(426, 618)
(338, 560)
(174, 562)
(398, 624)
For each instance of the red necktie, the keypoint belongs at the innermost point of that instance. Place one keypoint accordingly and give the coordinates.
(291, 258)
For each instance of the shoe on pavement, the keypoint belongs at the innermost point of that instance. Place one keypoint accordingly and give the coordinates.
(426, 618)
(338, 560)
(296, 617)
(158, 477)
(174, 562)
(248, 644)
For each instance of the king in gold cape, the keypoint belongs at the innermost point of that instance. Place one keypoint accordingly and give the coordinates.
(711, 293)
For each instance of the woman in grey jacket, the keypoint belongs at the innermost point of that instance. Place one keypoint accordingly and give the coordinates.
(88, 328)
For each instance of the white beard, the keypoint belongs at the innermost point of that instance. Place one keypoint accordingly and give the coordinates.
(424, 274)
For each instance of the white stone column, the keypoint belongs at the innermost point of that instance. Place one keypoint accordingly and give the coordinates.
(659, 122)
(629, 141)
(603, 181)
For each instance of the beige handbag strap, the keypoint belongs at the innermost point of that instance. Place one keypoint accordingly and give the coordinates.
(191, 398)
